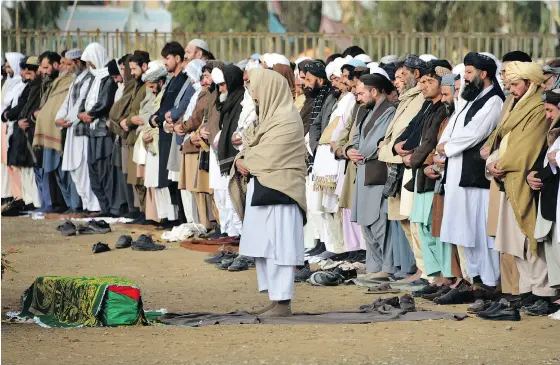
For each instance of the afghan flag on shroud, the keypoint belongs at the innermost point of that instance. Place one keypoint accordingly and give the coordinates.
(56, 301)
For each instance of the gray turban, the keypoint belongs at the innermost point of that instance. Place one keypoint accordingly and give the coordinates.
(449, 80)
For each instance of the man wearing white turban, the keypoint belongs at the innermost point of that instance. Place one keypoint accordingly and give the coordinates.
(94, 112)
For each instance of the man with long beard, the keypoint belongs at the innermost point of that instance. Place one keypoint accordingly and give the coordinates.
(50, 139)
(519, 140)
(411, 101)
(466, 187)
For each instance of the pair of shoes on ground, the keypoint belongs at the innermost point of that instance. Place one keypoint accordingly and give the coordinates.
(387, 305)
(143, 243)
(93, 227)
(495, 311)
(237, 263)
(445, 294)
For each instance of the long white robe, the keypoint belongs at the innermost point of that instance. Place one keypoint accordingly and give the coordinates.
(465, 213)
(466, 209)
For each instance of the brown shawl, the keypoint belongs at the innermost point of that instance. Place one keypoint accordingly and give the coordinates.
(275, 151)
(120, 107)
(288, 74)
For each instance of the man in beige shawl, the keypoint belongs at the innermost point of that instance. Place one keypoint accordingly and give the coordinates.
(410, 103)
(273, 216)
(518, 141)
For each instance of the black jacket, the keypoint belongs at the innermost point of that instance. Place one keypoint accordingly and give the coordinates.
(101, 109)
(168, 99)
(20, 152)
(12, 113)
(549, 192)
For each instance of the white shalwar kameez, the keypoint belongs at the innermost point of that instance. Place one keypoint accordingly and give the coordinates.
(273, 235)
(466, 209)
(76, 147)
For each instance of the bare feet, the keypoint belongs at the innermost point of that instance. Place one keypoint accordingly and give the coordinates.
(414, 277)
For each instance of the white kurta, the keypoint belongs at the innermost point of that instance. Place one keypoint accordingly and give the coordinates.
(466, 209)
(274, 232)
(465, 212)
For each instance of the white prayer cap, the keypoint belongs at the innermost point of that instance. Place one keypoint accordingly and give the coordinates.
(378, 70)
(389, 59)
(156, 70)
(199, 43)
(217, 76)
(338, 63)
(329, 69)
(372, 65)
(276, 58)
(269, 59)
(364, 58)
(427, 57)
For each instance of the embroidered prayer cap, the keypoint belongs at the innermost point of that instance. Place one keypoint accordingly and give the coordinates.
(155, 72)
(317, 69)
(531, 71)
(413, 62)
(32, 61)
(74, 54)
(442, 71)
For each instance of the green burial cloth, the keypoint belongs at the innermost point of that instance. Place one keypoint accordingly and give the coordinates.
(58, 301)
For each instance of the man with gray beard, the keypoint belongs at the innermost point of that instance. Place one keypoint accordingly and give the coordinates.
(410, 104)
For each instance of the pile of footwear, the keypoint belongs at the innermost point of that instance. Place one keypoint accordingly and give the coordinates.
(143, 243)
(92, 227)
(509, 308)
(393, 305)
(227, 259)
(319, 253)
(461, 293)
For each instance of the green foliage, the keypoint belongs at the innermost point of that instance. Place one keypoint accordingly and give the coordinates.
(37, 14)
(301, 16)
(219, 16)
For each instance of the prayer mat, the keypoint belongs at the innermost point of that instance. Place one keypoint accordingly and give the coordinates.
(58, 301)
(207, 247)
(359, 317)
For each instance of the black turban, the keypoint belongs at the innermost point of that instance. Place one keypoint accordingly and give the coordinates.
(516, 56)
(552, 97)
(317, 69)
(481, 62)
(113, 68)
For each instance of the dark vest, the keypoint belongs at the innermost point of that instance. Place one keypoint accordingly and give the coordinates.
(474, 167)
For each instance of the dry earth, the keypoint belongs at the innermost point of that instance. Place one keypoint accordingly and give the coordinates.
(178, 280)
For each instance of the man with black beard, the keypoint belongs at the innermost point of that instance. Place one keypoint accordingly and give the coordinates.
(369, 208)
(465, 214)
(319, 87)
(48, 139)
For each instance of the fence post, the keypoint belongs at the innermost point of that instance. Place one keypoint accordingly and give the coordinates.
(117, 42)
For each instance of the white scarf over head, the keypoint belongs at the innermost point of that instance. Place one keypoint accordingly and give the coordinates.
(14, 85)
(97, 55)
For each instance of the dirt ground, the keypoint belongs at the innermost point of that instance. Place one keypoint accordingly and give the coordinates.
(178, 280)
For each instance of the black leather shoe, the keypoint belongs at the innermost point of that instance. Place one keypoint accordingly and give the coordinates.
(100, 247)
(444, 289)
(540, 308)
(241, 263)
(428, 289)
(502, 314)
(303, 274)
(495, 306)
(124, 241)
(479, 306)
(219, 257)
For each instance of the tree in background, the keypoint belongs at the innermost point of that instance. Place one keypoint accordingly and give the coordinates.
(32, 14)
(219, 16)
(301, 16)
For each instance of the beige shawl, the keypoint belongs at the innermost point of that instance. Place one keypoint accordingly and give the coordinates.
(47, 133)
(274, 148)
